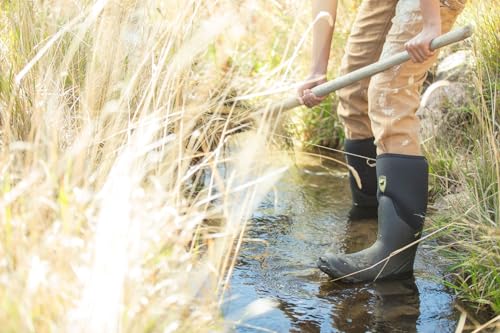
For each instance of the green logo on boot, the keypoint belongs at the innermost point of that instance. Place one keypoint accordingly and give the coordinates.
(382, 183)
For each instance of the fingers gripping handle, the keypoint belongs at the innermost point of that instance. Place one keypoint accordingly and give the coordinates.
(370, 70)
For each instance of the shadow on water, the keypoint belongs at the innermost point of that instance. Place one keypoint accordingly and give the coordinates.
(302, 218)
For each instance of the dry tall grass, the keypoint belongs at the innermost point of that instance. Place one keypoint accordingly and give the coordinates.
(121, 204)
(114, 159)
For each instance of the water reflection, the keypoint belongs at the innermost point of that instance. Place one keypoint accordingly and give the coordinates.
(304, 217)
(384, 306)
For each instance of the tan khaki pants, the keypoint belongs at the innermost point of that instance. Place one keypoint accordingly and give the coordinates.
(384, 106)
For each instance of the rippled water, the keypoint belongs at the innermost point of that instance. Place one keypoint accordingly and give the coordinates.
(302, 218)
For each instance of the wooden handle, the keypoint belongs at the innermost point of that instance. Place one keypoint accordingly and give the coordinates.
(370, 70)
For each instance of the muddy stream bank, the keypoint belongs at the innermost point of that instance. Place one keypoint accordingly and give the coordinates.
(302, 218)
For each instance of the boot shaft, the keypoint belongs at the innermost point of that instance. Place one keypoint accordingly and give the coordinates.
(404, 179)
(367, 149)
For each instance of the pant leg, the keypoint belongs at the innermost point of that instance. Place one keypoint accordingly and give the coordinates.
(394, 95)
(364, 46)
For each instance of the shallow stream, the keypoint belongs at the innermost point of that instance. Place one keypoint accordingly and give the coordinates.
(302, 218)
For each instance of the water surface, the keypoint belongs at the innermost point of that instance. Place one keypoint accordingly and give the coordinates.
(301, 219)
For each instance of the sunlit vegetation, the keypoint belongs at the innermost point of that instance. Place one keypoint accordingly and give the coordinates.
(466, 168)
(124, 196)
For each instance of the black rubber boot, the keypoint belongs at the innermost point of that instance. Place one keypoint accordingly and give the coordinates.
(402, 196)
(364, 200)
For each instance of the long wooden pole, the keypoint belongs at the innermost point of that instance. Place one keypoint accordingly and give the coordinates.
(370, 70)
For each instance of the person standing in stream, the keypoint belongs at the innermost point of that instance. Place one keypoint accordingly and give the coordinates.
(380, 124)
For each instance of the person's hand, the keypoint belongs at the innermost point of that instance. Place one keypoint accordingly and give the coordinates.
(419, 46)
(305, 94)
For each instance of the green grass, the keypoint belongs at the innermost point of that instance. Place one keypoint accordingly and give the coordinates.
(319, 126)
(470, 166)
